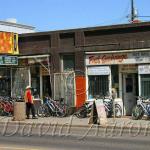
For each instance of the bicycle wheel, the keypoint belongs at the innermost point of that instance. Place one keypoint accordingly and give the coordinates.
(60, 112)
(81, 113)
(43, 111)
(137, 112)
(65, 110)
(118, 111)
(40, 111)
(108, 113)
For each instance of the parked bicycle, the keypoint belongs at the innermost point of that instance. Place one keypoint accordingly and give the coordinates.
(52, 108)
(84, 110)
(142, 107)
(6, 106)
(110, 108)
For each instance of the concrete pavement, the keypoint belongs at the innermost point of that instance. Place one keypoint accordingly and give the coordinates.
(75, 127)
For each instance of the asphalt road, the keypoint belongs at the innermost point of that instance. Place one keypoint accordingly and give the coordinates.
(73, 143)
(33, 137)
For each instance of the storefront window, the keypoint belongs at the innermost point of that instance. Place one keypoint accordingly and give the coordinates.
(5, 82)
(98, 86)
(145, 85)
(35, 80)
(68, 62)
(20, 79)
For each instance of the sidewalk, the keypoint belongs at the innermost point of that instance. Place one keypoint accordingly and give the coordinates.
(76, 122)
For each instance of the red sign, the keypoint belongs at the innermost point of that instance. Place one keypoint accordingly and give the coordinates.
(107, 59)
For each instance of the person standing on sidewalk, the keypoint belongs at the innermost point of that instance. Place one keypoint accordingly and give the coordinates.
(29, 103)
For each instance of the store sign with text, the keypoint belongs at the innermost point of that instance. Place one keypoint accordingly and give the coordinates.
(118, 58)
(99, 70)
(144, 69)
(129, 68)
(8, 60)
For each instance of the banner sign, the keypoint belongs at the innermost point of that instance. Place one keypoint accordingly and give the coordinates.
(99, 70)
(8, 43)
(144, 69)
(129, 68)
(118, 58)
(8, 60)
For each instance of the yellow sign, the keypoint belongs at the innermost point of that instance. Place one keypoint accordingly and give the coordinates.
(8, 43)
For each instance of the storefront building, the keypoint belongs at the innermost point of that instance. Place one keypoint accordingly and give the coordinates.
(37, 69)
(8, 62)
(127, 73)
(101, 59)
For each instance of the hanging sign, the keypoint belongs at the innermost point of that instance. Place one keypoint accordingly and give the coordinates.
(144, 69)
(99, 70)
(129, 68)
(118, 58)
(8, 60)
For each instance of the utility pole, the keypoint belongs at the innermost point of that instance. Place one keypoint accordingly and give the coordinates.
(132, 11)
(134, 14)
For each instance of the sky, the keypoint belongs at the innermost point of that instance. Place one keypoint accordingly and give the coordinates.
(48, 15)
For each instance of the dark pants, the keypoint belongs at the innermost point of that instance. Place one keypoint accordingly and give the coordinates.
(30, 106)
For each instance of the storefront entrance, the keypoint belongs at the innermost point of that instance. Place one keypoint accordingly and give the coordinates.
(130, 87)
(46, 86)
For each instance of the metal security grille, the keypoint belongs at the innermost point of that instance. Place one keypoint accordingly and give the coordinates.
(145, 85)
(98, 85)
(64, 87)
(20, 79)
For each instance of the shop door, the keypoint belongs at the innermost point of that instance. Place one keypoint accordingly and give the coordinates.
(129, 92)
(46, 86)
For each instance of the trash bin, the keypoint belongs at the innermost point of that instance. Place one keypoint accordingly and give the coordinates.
(19, 111)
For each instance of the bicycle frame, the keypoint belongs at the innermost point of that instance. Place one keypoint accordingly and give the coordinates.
(143, 105)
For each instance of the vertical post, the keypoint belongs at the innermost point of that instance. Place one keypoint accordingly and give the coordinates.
(110, 84)
(75, 98)
(87, 82)
(29, 73)
(139, 80)
(132, 11)
(41, 83)
(11, 80)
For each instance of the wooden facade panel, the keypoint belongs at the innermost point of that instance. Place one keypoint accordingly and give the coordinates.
(116, 37)
(34, 44)
(79, 38)
(35, 47)
(79, 62)
(67, 40)
(55, 40)
(112, 39)
(55, 61)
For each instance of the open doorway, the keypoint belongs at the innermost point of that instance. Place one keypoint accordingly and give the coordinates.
(46, 86)
(130, 90)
